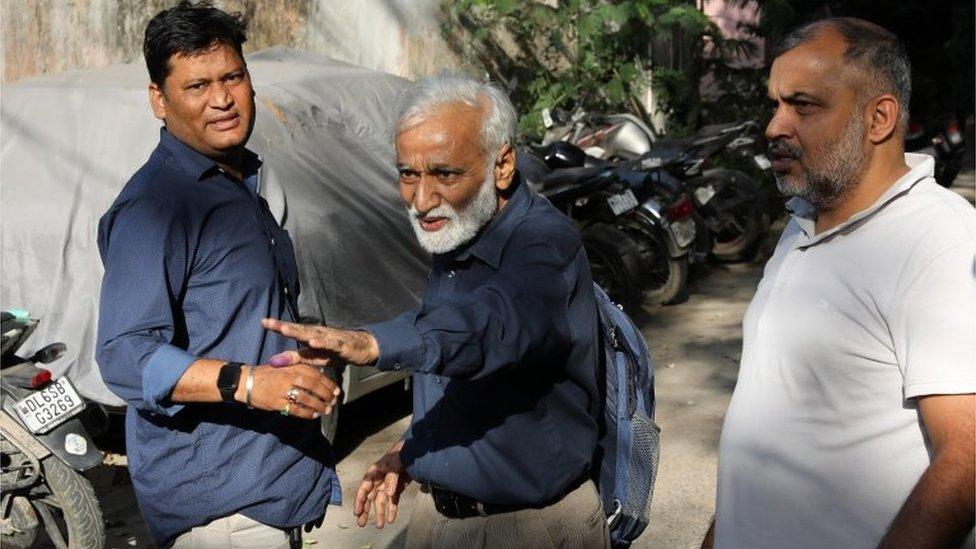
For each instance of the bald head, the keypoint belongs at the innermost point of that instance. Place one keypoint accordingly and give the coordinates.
(874, 59)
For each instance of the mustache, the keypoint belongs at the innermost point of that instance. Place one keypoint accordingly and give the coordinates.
(440, 211)
(782, 149)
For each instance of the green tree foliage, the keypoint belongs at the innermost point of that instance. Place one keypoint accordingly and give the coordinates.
(573, 53)
(597, 54)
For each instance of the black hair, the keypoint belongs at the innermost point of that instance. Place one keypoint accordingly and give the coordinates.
(188, 29)
(874, 50)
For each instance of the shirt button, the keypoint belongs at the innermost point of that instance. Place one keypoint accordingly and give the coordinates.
(272, 243)
(451, 273)
(398, 366)
(286, 290)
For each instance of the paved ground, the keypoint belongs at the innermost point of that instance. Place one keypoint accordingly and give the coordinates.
(696, 349)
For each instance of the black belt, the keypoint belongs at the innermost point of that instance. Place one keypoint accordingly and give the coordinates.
(457, 506)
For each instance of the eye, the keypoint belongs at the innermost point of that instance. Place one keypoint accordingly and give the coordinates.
(804, 107)
(445, 176)
(408, 176)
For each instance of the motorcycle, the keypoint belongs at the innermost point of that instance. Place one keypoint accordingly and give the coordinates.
(943, 141)
(650, 238)
(729, 201)
(44, 448)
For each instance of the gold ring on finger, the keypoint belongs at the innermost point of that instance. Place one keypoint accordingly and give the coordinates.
(286, 410)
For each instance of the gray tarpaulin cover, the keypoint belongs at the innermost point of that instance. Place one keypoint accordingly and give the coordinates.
(70, 141)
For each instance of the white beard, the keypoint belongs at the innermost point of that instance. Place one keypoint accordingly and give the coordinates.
(461, 225)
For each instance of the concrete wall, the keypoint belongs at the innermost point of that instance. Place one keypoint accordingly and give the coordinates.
(397, 36)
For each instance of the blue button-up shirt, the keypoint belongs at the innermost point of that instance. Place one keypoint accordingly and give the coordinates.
(193, 261)
(504, 354)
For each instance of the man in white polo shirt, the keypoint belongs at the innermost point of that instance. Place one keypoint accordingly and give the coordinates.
(852, 423)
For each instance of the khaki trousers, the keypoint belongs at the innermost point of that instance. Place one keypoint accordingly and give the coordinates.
(577, 520)
(234, 532)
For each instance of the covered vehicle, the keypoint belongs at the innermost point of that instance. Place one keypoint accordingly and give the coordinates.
(70, 141)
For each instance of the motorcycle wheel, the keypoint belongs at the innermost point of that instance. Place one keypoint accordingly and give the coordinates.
(733, 216)
(70, 508)
(615, 262)
(666, 277)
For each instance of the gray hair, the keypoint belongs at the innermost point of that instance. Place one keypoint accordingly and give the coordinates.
(424, 96)
(876, 52)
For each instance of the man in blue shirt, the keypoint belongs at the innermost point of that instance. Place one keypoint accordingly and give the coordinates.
(222, 448)
(503, 348)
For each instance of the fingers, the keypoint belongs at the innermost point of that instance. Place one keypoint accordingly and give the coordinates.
(304, 355)
(380, 505)
(312, 404)
(391, 484)
(364, 500)
(300, 390)
(317, 384)
(301, 332)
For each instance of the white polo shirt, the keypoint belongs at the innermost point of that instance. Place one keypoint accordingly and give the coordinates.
(822, 442)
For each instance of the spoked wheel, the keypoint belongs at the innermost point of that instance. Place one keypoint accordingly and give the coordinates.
(615, 262)
(61, 501)
(734, 216)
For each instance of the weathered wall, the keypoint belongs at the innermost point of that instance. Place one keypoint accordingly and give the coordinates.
(398, 36)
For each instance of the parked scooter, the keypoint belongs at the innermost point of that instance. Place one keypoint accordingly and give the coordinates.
(943, 141)
(44, 448)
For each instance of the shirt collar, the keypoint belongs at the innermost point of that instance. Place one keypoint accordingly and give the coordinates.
(921, 167)
(196, 163)
(490, 242)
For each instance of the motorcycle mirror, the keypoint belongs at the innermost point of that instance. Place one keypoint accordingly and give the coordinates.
(49, 353)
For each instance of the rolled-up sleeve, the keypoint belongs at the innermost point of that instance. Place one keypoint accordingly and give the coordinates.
(144, 247)
(519, 317)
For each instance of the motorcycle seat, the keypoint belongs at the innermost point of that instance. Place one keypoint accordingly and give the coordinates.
(667, 150)
(718, 129)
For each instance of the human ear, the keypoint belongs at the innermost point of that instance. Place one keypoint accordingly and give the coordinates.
(505, 167)
(884, 115)
(157, 101)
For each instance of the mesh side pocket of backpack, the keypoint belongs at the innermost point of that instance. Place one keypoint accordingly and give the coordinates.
(645, 453)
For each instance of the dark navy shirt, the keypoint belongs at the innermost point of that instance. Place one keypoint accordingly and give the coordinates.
(193, 261)
(504, 354)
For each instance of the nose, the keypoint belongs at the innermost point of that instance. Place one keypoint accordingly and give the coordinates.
(425, 196)
(779, 125)
(221, 98)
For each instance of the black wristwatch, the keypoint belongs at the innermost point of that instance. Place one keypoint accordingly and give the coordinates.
(228, 380)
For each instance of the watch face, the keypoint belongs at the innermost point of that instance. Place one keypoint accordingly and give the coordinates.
(228, 380)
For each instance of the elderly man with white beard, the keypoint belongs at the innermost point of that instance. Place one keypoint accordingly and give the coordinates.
(852, 422)
(503, 348)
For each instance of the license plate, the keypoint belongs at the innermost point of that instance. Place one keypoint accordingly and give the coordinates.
(622, 202)
(683, 231)
(50, 407)
(762, 162)
(704, 193)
